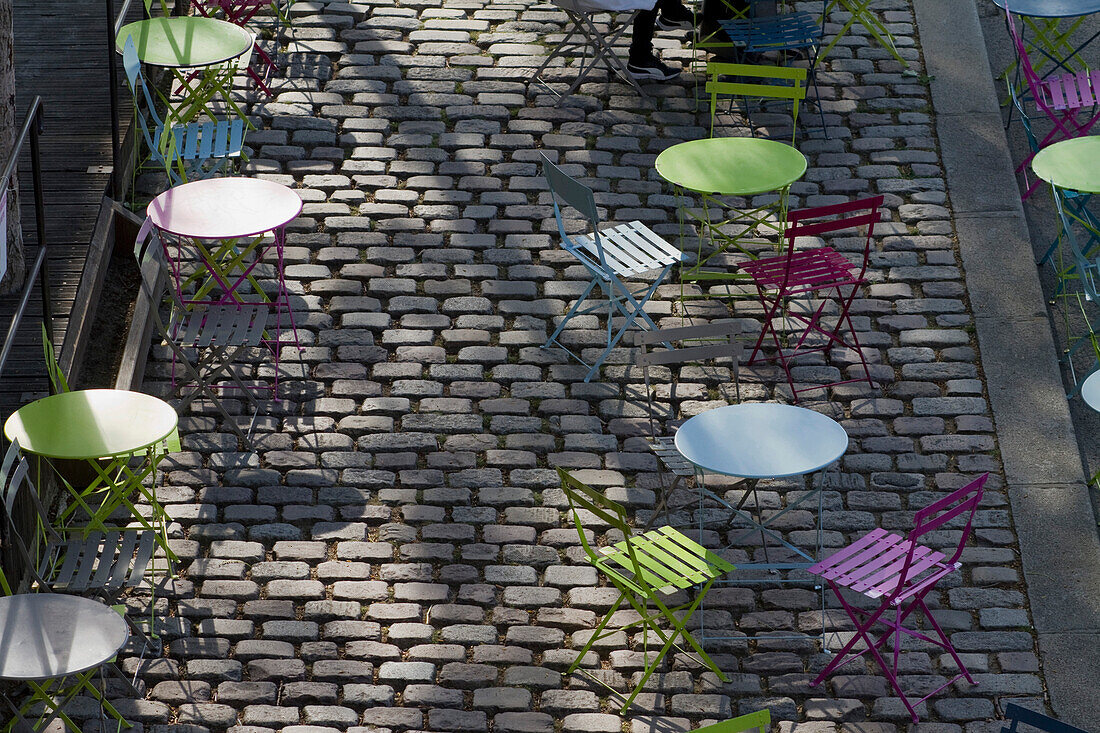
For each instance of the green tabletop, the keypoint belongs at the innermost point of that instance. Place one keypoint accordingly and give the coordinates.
(183, 42)
(731, 166)
(92, 423)
(1072, 164)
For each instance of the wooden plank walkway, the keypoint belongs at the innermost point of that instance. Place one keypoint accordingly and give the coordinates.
(61, 56)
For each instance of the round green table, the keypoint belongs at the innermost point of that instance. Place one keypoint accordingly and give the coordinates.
(732, 166)
(107, 429)
(1072, 168)
(197, 51)
(185, 42)
(1070, 164)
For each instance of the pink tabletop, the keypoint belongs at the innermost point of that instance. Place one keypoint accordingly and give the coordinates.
(224, 208)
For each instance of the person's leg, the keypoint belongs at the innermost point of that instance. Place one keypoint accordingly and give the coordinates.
(641, 44)
(643, 64)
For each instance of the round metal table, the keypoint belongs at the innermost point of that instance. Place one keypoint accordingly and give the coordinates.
(197, 51)
(54, 643)
(731, 166)
(224, 208)
(762, 440)
(185, 42)
(1051, 8)
(51, 635)
(1070, 164)
(104, 429)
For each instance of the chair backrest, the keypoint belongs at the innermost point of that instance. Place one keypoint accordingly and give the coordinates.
(1014, 715)
(1034, 81)
(135, 79)
(716, 340)
(821, 220)
(961, 502)
(758, 722)
(16, 482)
(582, 496)
(1086, 268)
(757, 80)
(575, 194)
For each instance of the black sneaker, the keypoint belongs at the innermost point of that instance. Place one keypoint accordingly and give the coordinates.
(676, 20)
(651, 68)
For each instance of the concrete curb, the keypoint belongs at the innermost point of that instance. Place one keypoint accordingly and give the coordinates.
(1052, 513)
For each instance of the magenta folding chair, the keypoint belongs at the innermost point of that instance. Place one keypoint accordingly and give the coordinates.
(1062, 98)
(818, 274)
(240, 12)
(898, 572)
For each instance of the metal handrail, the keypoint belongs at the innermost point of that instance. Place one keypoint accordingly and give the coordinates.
(33, 127)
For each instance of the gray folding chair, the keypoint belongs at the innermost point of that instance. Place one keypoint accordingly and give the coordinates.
(217, 334)
(696, 344)
(73, 561)
(610, 255)
(590, 38)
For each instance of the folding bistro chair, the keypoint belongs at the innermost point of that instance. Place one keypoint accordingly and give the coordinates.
(758, 81)
(1070, 102)
(1014, 715)
(645, 569)
(697, 343)
(897, 573)
(180, 149)
(241, 12)
(860, 12)
(205, 340)
(583, 35)
(811, 274)
(796, 32)
(74, 561)
(626, 250)
(758, 722)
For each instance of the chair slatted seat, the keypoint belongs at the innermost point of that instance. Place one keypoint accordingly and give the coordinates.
(783, 32)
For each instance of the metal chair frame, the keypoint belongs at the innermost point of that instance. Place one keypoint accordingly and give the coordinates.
(609, 255)
(898, 572)
(799, 274)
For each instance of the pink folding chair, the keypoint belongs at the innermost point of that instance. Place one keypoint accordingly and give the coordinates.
(816, 273)
(1062, 98)
(240, 12)
(898, 572)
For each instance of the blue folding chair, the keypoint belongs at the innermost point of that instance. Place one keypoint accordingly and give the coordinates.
(797, 32)
(1014, 715)
(610, 255)
(180, 147)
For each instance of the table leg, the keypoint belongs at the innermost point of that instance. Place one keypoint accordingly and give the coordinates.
(769, 216)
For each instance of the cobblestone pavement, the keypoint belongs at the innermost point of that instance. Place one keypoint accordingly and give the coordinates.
(395, 554)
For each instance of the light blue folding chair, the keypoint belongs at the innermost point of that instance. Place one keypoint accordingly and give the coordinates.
(181, 149)
(610, 255)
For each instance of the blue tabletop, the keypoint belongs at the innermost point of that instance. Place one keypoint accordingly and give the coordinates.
(761, 440)
(1051, 8)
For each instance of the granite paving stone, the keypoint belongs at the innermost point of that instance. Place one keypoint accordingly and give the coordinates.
(393, 551)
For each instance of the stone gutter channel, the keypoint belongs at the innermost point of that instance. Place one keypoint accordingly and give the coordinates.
(1051, 509)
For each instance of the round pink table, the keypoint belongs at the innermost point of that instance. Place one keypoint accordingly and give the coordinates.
(225, 221)
(224, 208)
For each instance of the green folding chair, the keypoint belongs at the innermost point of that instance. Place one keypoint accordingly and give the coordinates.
(860, 12)
(758, 81)
(644, 568)
(758, 722)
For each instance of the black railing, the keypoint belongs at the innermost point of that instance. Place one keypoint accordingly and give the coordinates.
(33, 126)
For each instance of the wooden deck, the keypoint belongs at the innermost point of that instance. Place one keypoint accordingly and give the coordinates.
(61, 56)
